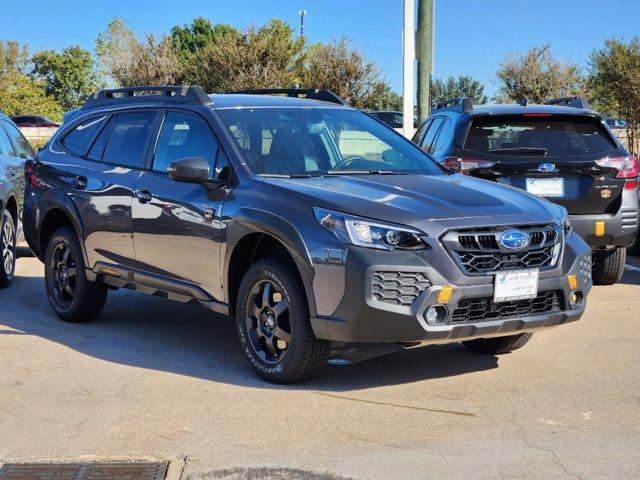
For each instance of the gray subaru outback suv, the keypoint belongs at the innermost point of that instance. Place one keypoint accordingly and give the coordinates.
(312, 223)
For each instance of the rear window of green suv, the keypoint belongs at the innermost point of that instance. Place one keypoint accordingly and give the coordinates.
(551, 135)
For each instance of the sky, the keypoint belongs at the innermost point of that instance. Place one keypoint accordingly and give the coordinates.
(472, 36)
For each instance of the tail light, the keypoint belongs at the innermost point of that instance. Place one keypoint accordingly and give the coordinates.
(465, 165)
(627, 166)
(32, 176)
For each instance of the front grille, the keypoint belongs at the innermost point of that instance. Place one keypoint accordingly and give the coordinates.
(485, 309)
(478, 252)
(398, 288)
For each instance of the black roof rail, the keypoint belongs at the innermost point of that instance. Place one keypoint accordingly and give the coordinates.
(158, 93)
(308, 93)
(575, 102)
(462, 104)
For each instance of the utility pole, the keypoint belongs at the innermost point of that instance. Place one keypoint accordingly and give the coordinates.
(302, 14)
(425, 47)
(408, 57)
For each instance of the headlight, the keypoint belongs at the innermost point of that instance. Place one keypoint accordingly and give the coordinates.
(365, 233)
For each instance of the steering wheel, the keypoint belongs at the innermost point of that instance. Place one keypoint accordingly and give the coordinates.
(346, 162)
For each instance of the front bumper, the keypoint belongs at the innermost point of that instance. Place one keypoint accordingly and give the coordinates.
(360, 317)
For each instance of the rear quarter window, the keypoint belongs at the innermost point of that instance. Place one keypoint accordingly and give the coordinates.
(550, 136)
(77, 141)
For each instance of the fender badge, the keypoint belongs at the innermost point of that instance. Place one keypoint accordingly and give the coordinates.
(605, 193)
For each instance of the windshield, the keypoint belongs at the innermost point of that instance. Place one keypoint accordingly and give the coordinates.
(319, 141)
(543, 135)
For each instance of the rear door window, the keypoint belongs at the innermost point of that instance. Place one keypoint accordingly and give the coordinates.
(78, 140)
(129, 138)
(539, 136)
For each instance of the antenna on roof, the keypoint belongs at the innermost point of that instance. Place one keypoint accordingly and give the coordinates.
(524, 102)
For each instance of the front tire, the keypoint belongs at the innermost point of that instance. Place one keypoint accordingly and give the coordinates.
(8, 239)
(273, 324)
(608, 265)
(498, 345)
(71, 295)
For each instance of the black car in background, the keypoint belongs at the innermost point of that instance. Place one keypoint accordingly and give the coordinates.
(14, 151)
(34, 121)
(393, 119)
(562, 151)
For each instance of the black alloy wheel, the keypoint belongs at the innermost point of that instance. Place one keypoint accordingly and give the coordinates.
(268, 325)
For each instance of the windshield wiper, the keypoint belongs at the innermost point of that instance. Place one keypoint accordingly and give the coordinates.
(288, 175)
(365, 172)
(520, 150)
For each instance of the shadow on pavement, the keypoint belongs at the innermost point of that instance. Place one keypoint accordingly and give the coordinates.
(155, 333)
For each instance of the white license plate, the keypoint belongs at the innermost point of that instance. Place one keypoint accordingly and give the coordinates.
(546, 187)
(516, 285)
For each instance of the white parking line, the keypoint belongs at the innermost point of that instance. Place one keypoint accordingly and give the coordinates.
(631, 267)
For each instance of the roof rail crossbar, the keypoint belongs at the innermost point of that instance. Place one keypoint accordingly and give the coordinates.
(462, 104)
(309, 93)
(575, 102)
(161, 93)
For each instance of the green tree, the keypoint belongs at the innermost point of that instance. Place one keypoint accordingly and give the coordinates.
(68, 76)
(21, 95)
(537, 75)
(614, 82)
(345, 71)
(128, 61)
(463, 86)
(13, 56)
(188, 40)
(269, 56)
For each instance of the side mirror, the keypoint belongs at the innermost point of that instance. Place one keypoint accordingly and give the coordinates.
(192, 169)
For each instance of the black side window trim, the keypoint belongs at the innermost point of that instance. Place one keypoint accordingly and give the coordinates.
(108, 125)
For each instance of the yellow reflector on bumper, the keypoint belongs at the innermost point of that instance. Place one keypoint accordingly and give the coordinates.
(573, 282)
(599, 229)
(445, 294)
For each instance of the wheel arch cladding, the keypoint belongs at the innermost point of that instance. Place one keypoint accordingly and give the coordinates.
(249, 243)
(54, 219)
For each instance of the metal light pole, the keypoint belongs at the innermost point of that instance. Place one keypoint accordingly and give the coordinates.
(408, 56)
(302, 14)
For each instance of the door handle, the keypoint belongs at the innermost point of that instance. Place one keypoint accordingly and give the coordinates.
(143, 196)
(79, 183)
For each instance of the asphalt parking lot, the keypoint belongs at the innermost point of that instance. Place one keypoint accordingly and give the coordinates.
(156, 379)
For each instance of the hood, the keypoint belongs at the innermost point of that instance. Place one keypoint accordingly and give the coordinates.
(422, 200)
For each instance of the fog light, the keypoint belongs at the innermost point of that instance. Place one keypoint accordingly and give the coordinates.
(576, 299)
(436, 315)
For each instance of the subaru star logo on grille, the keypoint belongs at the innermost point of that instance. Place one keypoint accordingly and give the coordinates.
(547, 167)
(514, 239)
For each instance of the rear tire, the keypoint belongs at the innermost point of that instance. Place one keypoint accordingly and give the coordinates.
(608, 265)
(8, 239)
(498, 345)
(71, 295)
(273, 324)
